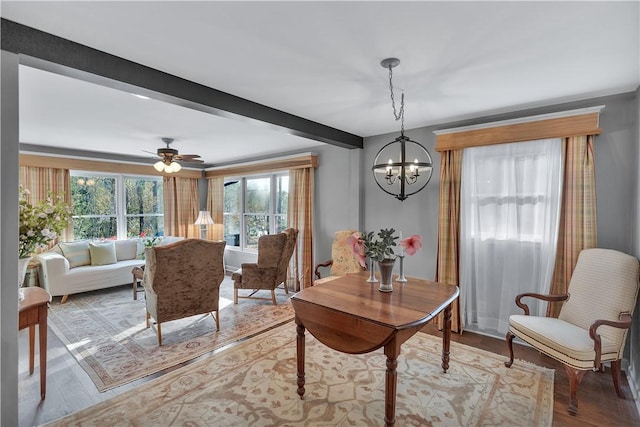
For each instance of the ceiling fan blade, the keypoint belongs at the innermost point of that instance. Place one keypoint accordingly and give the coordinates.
(190, 160)
(188, 156)
(150, 152)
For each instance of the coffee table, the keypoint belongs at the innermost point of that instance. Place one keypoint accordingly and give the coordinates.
(350, 315)
(138, 275)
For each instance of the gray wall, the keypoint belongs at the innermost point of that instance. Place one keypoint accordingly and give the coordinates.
(633, 346)
(9, 240)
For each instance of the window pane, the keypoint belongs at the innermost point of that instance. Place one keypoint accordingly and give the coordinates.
(282, 194)
(256, 226)
(99, 227)
(232, 199)
(281, 223)
(150, 225)
(258, 193)
(143, 196)
(232, 229)
(93, 195)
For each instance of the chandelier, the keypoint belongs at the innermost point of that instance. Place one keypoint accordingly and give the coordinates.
(402, 167)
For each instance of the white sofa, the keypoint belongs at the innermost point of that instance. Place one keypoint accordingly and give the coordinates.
(69, 268)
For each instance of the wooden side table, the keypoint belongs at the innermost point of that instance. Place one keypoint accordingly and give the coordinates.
(138, 275)
(32, 311)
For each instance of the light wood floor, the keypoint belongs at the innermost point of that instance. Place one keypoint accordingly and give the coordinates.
(69, 389)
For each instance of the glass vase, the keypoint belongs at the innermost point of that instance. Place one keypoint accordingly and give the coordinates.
(372, 271)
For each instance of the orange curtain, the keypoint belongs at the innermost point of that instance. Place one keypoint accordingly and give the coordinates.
(181, 206)
(577, 229)
(447, 265)
(300, 216)
(215, 205)
(39, 181)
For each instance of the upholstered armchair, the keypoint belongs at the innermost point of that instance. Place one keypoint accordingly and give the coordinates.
(183, 279)
(342, 261)
(274, 253)
(593, 322)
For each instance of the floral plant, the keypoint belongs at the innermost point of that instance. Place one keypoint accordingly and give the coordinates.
(380, 246)
(150, 241)
(40, 223)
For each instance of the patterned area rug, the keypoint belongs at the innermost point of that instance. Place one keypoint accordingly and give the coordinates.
(105, 331)
(254, 384)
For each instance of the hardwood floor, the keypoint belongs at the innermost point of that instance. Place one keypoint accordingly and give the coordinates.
(69, 389)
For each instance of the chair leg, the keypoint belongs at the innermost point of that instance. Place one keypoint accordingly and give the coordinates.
(64, 299)
(575, 377)
(216, 319)
(159, 335)
(615, 373)
(148, 317)
(235, 295)
(273, 296)
(509, 339)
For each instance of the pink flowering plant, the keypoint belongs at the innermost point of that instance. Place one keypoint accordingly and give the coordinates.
(40, 223)
(380, 246)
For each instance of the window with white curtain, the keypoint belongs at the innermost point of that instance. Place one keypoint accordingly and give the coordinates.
(509, 213)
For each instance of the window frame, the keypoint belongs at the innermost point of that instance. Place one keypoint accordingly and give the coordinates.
(120, 197)
(272, 215)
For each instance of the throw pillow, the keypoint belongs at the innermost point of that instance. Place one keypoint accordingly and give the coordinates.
(102, 253)
(77, 253)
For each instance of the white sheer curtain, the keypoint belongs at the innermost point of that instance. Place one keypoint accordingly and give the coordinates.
(509, 214)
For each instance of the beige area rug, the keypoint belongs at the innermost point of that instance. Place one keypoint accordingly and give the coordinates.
(254, 384)
(105, 331)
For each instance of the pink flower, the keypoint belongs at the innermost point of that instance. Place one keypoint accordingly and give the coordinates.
(411, 244)
(355, 241)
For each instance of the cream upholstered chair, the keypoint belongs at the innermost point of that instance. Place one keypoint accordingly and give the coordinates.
(594, 320)
(342, 261)
(274, 253)
(183, 279)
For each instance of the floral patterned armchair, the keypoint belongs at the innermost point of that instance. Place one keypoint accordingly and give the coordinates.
(183, 279)
(342, 261)
(274, 253)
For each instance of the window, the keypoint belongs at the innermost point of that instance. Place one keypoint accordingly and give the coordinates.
(253, 207)
(116, 206)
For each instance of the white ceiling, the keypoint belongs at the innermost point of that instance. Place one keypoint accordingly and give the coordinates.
(320, 61)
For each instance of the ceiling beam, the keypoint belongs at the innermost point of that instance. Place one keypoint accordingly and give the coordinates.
(52, 53)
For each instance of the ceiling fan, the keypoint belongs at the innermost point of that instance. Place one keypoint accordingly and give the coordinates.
(169, 158)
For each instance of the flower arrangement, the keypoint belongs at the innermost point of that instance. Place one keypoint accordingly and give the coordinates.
(40, 223)
(150, 241)
(380, 246)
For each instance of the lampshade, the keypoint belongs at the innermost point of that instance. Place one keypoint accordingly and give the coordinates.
(204, 218)
(163, 166)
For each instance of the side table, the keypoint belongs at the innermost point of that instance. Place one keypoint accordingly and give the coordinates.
(32, 311)
(138, 275)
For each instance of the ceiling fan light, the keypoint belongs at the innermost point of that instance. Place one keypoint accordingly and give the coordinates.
(159, 166)
(175, 167)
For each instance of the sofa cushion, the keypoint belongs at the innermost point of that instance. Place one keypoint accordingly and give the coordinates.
(102, 253)
(77, 253)
(126, 249)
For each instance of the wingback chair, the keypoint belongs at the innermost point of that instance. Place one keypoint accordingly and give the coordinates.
(593, 322)
(183, 279)
(342, 261)
(274, 253)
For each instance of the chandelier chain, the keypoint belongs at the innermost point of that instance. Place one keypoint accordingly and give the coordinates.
(398, 115)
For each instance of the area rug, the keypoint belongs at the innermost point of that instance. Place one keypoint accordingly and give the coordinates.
(105, 332)
(254, 384)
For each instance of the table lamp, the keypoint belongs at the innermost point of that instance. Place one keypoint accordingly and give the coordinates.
(204, 219)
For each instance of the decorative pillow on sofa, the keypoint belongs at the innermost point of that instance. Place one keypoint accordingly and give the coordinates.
(77, 253)
(103, 253)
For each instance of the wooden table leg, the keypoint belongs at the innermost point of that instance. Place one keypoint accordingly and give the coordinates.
(446, 337)
(42, 333)
(32, 341)
(392, 351)
(300, 350)
(135, 287)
